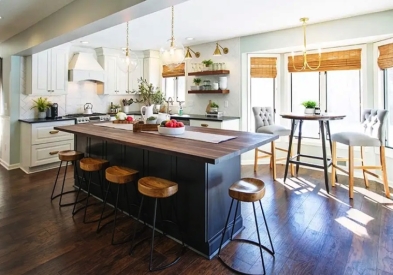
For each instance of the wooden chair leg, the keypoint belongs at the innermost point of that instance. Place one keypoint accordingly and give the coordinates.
(364, 171)
(291, 164)
(334, 163)
(384, 172)
(350, 164)
(256, 160)
(273, 159)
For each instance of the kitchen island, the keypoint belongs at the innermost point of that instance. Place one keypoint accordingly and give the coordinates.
(204, 172)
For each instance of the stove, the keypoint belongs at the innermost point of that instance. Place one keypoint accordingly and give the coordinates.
(87, 118)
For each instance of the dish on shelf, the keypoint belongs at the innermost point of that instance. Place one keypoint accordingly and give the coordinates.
(171, 131)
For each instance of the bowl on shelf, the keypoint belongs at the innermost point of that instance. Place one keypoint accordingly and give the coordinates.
(171, 131)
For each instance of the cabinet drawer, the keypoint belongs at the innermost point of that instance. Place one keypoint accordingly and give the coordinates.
(47, 153)
(205, 123)
(45, 132)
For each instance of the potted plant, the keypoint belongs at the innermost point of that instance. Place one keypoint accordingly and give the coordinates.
(41, 104)
(151, 120)
(207, 64)
(309, 107)
(214, 107)
(127, 104)
(196, 81)
(158, 99)
(146, 92)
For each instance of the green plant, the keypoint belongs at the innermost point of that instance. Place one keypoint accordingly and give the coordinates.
(197, 81)
(158, 98)
(116, 106)
(150, 118)
(309, 104)
(207, 63)
(127, 102)
(41, 104)
(214, 105)
(146, 91)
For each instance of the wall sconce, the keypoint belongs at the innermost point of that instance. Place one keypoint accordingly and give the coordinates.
(217, 51)
(188, 54)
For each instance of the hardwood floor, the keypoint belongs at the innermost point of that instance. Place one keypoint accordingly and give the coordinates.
(313, 233)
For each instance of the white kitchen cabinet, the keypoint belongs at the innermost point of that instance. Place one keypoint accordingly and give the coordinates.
(232, 124)
(117, 81)
(46, 73)
(40, 144)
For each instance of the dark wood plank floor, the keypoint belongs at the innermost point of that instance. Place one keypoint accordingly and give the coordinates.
(313, 233)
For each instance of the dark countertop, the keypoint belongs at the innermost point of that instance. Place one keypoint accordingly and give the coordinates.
(43, 120)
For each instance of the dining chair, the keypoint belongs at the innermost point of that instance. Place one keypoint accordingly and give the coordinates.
(374, 131)
(264, 123)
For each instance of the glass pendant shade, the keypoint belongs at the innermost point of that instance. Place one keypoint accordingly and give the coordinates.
(172, 54)
(128, 61)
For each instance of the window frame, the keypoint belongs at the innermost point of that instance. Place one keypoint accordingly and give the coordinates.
(176, 91)
(385, 95)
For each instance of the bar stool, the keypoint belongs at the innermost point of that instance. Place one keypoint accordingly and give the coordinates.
(67, 156)
(90, 165)
(247, 190)
(119, 176)
(156, 188)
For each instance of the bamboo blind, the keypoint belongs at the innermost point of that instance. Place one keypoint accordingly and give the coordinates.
(330, 61)
(263, 67)
(173, 72)
(385, 59)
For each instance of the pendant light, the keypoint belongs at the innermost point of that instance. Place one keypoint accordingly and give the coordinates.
(128, 59)
(172, 54)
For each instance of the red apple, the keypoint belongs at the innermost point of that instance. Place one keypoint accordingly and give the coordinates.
(129, 118)
(181, 124)
(168, 123)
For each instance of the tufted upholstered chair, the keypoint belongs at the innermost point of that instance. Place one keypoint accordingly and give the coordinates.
(373, 135)
(264, 123)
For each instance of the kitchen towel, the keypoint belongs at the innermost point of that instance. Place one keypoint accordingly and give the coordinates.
(199, 136)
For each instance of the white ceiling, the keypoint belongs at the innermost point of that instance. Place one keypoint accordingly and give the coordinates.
(18, 15)
(208, 20)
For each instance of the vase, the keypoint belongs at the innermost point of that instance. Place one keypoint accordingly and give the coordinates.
(223, 82)
(126, 109)
(148, 112)
(41, 114)
(208, 108)
(309, 111)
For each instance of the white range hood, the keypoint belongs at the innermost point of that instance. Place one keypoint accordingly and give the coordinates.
(84, 67)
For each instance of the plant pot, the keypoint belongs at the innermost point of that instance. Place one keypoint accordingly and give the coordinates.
(213, 110)
(126, 109)
(41, 114)
(206, 68)
(151, 121)
(195, 88)
(309, 111)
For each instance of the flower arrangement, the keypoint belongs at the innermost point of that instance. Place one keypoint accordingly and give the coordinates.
(127, 102)
(146, 92)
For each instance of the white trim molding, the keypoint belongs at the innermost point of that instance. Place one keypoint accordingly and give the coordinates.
(8, 166)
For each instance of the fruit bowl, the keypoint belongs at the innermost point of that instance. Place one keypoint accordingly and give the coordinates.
(171, 131)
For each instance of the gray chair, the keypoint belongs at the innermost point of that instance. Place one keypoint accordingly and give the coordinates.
(374, 124)
(264, 123)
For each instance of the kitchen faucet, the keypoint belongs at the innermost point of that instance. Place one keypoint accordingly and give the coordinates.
(169, 100)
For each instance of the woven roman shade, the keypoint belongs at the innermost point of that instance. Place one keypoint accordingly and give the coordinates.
(263, 67)
(177, 71)
(330, 61)
(385, 59)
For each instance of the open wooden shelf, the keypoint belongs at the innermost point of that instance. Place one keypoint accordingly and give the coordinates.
(209, 92)
(209, 73)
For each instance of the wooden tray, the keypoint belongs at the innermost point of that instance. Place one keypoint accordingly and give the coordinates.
(124, 122)
(145, 127)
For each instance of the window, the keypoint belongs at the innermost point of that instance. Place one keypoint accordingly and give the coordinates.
(174, 87)
(388, 86)
(261, 95)
(305, 86)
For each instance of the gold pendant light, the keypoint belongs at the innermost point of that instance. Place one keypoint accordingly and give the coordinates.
(128, 60)
(305, 63)
(217, 51)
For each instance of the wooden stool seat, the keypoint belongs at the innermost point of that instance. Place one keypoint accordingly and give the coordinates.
(156, 187)
(70, 155)
(93, 164)
(120, 175)
(247, 190)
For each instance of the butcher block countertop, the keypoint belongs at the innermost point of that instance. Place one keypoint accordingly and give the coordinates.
(198, 150)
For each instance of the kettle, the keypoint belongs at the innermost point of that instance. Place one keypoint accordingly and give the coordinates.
(88, 109)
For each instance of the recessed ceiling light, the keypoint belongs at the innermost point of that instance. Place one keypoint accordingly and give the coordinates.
(1, 17)
(85, 42)
(190, 38)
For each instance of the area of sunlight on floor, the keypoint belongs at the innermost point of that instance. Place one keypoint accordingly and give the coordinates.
(356, 222)
(297, 185)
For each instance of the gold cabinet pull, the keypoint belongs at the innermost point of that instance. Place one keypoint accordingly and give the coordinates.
(53, 152)
(53, 132)
(204, 125)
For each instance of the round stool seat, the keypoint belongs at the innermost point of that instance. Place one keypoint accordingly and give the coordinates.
(157, 187)
(247, 190)
(120, 175)
(70, 155)
(93, 164)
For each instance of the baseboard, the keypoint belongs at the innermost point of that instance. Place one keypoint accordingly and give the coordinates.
(30, 170)
(8, 166)
(357, 174)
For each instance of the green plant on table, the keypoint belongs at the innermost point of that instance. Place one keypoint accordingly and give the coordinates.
(158, 98)
(214, 105)
(309, 104)
(207, 63)
(197, 81)
(41, 104)
(146, 91)
(150, 118)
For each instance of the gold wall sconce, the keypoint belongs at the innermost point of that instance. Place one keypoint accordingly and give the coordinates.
(217, 51)
(188, 53)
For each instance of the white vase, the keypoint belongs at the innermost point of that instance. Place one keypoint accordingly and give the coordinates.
(148, 112)
(41, 114)
(126, 109)
(309, 111)
(223, 82)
